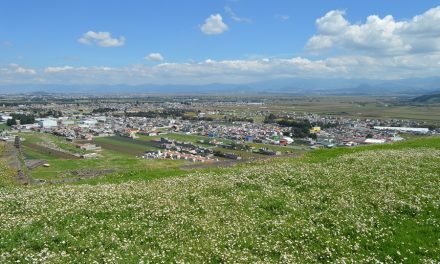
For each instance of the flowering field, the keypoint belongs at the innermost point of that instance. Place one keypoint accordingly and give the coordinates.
(6, 174)
(374, 204)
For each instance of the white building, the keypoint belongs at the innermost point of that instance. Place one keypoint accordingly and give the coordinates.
(47, 123)
(374, 141)
(67, 122)
(404, 129)
(89, 122)
(5, 117)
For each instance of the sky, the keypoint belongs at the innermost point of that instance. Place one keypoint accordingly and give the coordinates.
(215, 41)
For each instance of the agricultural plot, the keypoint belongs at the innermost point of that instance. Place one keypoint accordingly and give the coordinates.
(125, 145)
(111, 162)
(49, 151)
(3, 127)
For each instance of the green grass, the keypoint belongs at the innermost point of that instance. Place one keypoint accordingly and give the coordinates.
(125, 145)
(3, 127)
(119, 163)
(357, 205)
(321, 155)
(283, 149)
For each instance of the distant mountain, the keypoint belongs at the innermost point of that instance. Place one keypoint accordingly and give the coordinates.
(287, 86)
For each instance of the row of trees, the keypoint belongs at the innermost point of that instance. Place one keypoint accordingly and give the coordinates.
(298, 128)
(154, 114)
(103, 110)
(24, 119)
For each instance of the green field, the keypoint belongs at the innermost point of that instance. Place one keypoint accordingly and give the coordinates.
(116, 162)
(3, 127)
(357, 205)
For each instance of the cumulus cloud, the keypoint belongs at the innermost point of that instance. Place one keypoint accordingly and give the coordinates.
(102, 39)
(378, 36)
(154, 57)
(21, 70)
(235, 17)
(239, 71)
(57, 69)
(214, 25)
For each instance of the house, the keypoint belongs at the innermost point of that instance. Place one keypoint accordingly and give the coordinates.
(88, 147)
(315, 130)
(5, 117)
(404, 129)
(89, 156)
(374, 141)
(249, 138)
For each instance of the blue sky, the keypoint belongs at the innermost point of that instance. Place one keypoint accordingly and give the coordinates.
(231, 41)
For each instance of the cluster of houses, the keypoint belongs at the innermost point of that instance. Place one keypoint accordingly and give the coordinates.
(176, 155)
(336, 131)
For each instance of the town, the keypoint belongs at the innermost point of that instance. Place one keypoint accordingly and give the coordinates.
(192, 129)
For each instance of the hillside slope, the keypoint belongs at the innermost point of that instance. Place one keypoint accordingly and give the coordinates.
(430, 98)
(357, 205)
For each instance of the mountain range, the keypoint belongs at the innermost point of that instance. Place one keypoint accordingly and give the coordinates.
(411, 87)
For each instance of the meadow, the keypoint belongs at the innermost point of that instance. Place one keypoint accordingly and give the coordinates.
(377, 204)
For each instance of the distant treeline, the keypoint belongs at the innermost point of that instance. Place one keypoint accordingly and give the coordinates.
(194, 118)
(42, 113)
(103, 110)
(298, 128)
(238, 119)
(155, 114)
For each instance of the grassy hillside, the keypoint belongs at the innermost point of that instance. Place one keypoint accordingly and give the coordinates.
(368, 204)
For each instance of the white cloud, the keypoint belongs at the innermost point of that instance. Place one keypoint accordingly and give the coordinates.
(235, 17)
(214, 25)
(57, 69)
(154, 57)
(378, 36)
(102, 39)
(21, 70)
(238, 71)
(282, 17)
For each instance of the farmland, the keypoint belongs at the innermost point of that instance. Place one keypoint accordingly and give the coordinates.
(112, 163)
(350, 106)
(366, 204)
